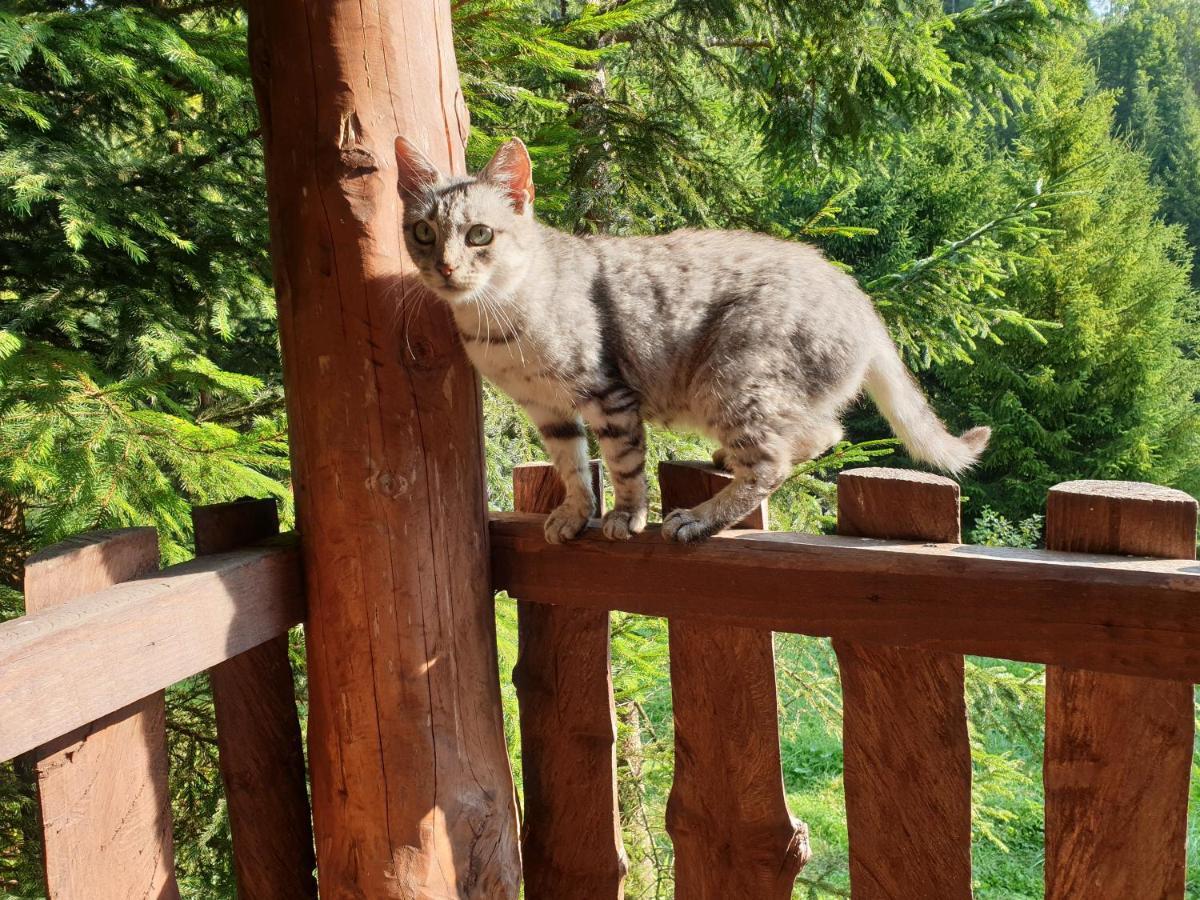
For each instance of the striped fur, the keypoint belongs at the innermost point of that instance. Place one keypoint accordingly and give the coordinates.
(758, 343)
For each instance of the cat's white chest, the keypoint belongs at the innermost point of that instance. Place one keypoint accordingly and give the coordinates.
(494, 358)
(522, 373)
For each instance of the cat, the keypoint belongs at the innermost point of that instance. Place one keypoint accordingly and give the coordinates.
(756, 342)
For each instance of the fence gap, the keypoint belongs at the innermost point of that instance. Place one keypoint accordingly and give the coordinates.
(727, 814)
(1118, 747)
(106, 811)
(906, 752)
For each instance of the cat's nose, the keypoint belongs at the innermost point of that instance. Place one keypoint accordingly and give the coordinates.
(445, 268)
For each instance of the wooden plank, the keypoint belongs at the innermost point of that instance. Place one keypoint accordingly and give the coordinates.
(412, 792)
(102, 788)
(727, 812)
(258, 735)
(1118, 748)
(1110, 614)
(907, 757)
(571, 834)
(74, 663)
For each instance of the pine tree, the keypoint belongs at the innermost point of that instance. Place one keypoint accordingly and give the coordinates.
(1111, 392)
(1149, 54)
(137, 350)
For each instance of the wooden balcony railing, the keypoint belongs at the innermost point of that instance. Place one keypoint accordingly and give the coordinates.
(81, 687)
(82, 675)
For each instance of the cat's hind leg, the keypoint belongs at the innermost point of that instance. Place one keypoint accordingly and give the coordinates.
(615, 417)
(816, 440)
(566, 442)
(760, 462)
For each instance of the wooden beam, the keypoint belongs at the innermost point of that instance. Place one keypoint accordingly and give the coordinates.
(102, 788)
(907, 757)
(571, 835)
(412, 793)
(1131, 616)
(1118, 748)
(727, 813)
(258, 735)
(76, 662)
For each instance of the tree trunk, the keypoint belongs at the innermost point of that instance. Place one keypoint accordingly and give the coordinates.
(412, 793)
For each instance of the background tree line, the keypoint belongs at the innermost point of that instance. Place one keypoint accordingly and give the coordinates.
(1015, 181)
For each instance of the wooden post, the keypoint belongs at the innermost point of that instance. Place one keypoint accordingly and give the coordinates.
(106, 812)
(1118, 747)
(412, 793)
(258, 735)
(907, 757)
(571, 835)
(727, 812)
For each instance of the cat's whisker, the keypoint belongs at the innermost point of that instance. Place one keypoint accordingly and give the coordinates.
(412, 310)
(493, 299)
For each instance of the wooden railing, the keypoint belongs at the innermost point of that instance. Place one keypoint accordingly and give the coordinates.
(81, 687)
(82, 676)
(903, 601)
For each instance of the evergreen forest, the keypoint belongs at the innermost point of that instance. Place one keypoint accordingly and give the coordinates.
(1016, 182)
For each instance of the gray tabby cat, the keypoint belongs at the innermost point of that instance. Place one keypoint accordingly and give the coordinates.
(755, 342)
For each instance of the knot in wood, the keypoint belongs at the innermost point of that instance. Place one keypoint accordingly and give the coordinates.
(358, 161)
(420, 355)
(391, 485)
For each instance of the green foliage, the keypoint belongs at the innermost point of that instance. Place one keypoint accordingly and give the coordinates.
(138, 369)
(994, 530)
(1148, 53)
(83, 451)
(1110, 394)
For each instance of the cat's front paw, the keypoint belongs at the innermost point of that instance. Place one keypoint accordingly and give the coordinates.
(684, 526)
(564, 523)
(622, 524)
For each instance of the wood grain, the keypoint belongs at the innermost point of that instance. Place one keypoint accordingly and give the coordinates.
(571, 835)
(71, 664)
(1118, 748)
(727, 814)
(906, 753)
(1129, 616)
(102, 788)
(258, 735)
(412, 792)
(693, 482)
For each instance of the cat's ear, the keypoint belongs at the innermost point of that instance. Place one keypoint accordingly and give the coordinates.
(511, 170)
(417, 173)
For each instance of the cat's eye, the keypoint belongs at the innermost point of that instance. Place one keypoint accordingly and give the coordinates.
(479, 235)
(423, 233)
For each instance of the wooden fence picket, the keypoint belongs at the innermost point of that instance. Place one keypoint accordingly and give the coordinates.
(727, 813)
(1118, 747)
(571, 835)
(258, 735)
(906, 752)
(106, 812)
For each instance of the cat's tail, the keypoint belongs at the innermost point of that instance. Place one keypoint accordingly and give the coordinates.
(896, 394)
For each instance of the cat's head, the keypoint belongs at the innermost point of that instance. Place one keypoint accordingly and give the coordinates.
(469, 237)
